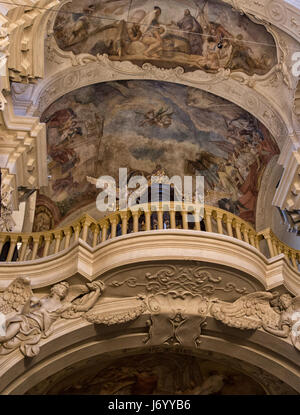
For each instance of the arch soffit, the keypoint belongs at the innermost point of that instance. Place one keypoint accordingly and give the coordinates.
(103, 70)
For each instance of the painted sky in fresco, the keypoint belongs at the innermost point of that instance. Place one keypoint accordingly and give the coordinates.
(142, 124)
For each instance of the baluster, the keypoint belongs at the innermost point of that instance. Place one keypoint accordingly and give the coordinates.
(286, 252)
(77, 230)
(135, 215)
(270, 246)
(172, 217)
(279, 248)
(86, 225)
(207, 219)
(297, 261)
(274, 247)
(2, 241)
(293, 256)
(160, 214)
(58, 238)
(257, 245)
(148, 219)
(95, 235)
(197, 220)
(238, 231)
(124, 218)
(219, 223)
(13, 244)
(47, 238)
(245, 234)
(113, 222)
(229, 226)
(252, 239)
(184, 219)
(104, 228)
(68, 233)
(36, 241)
(23, 248)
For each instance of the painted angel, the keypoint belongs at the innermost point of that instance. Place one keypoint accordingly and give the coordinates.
(276, 315)
(30, 319)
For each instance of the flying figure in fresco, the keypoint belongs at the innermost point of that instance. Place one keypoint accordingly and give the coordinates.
(161, 118)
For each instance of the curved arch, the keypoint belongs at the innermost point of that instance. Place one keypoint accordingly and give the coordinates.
(101, 69)
(278, 13)
(61, 351)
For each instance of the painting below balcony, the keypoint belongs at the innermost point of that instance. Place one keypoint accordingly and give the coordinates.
(151, 374)
(193, 34)
(140, 125)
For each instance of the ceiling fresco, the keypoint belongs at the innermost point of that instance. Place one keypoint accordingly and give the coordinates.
(140, 125)
(159, 373)
(194, 34)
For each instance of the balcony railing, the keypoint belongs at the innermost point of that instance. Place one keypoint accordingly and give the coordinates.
(32, 246)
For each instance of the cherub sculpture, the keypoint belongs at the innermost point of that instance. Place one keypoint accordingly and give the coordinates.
(278, 315)
(29, 319)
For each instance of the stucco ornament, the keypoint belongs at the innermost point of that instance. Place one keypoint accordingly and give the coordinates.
(30, 319)
(118, 317)
(176, 320)
(276, 315)
(6, 221)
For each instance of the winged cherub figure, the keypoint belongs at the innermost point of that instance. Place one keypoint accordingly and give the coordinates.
(29, 319)
(276, 315)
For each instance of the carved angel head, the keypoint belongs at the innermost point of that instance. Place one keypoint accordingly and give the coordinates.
(285, 301)
(61, 289)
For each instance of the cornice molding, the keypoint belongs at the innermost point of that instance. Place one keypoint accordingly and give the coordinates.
(153, 246)
(23, 144)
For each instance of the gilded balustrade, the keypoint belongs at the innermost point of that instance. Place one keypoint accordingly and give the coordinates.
(141, 218)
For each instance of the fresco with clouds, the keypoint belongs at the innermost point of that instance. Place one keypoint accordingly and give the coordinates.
(139, 125)
(193, 34)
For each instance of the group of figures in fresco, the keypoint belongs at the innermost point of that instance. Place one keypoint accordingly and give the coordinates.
(98, 129)
(29, 319)
(151, 374)
(203, 35)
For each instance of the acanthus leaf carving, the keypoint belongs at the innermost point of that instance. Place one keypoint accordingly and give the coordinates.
(181, 280)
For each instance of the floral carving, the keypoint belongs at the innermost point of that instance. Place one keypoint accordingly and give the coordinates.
(181, 280)
(110, 319)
